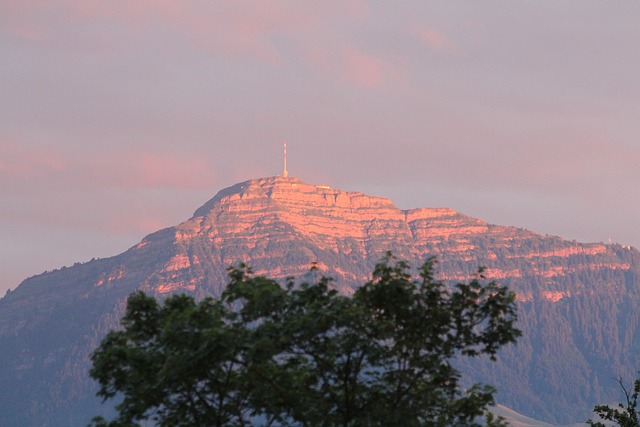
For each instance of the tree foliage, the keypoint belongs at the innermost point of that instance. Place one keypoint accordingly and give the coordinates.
(306, 355)
(625, 414)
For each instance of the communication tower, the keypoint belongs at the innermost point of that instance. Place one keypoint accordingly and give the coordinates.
(284, 172)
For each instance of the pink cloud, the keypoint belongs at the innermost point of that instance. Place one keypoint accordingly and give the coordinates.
(145, 169)
(250, 29)
(364, 70)
(347, 64)
(169, 170)
(38, 166)
(244, 29)
(20, 162)
(91, 189)
(434, 39)
(238, 30)
(142, 220)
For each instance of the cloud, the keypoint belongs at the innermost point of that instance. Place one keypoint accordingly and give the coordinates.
(237, 29)
(42, 167)
(433, 39)
(120, 192)
(365, 70)
(160, 170)
(345, 64)
(18, 161)
(277, 33)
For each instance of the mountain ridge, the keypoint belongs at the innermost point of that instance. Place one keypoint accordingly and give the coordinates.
(578, 301)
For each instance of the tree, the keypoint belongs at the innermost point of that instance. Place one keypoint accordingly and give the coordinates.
(175, 363)
(306, 355)
(624, 415)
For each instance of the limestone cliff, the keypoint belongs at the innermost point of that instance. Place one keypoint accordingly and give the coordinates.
(281, 225)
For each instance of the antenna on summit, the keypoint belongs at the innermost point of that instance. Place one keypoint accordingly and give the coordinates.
(284, 172)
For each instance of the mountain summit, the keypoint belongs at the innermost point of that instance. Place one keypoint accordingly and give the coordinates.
(578, 302)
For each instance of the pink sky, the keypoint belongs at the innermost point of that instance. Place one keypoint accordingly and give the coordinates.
(122, 118)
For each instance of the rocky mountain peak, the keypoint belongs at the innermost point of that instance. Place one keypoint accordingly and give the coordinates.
(289, 191)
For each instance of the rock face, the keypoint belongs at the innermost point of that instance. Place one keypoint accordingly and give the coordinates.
(578, 302)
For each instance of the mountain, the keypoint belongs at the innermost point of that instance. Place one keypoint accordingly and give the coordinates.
(518, 420)
(578, 302)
